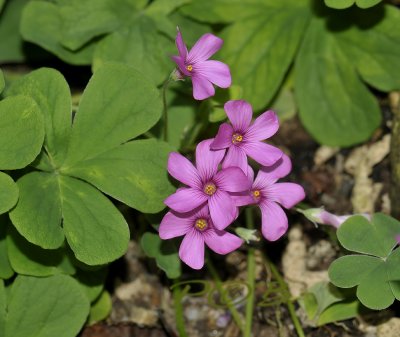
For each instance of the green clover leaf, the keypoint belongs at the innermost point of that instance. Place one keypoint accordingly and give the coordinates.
(62, 200)
(25, 311)
(375, 270)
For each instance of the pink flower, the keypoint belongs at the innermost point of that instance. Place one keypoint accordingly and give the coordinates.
(245, 138)
(198, 228)
(270, 196)
(206, 184)
(204, 72)
(398, 239)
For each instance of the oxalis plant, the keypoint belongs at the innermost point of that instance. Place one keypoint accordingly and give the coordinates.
(66, 168)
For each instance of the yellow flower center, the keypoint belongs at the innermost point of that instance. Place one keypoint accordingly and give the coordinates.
(237, 138)
(256, 194)
(201, 224)
(189, 67)
(210, 189)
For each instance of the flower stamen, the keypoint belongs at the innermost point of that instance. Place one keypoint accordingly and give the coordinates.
(236, 138)
(210, 188)
(256, 194)
(201, 224)
(189, 67)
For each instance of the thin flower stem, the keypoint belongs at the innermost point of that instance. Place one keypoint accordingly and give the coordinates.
(179, 319)
(251, 274)
(289, 303)
(165, 108)
(218, 283)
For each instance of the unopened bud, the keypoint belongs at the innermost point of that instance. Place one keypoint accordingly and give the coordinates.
(247, 234)
(321, 216)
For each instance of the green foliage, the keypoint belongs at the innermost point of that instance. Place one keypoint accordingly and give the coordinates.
(29, 259)
(59, 201)
(84, 32)
(324, 303)
(5, 267)
(8, 193)
(101, 308)
(92, 281)
(165, 253)
(41, 23)
(341, 4)
(262, 41)
(43, 307)
(51, 93)
(11, 40)
(375, 270)
(346, 105)
(21, 132)
(2, 83)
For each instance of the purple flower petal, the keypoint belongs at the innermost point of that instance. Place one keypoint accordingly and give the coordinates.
(287, 194)
(269, 175)
(204, 48)
(173, 225)
(223, 139)
(185, 200)
(265, 126)
(232, 179)
(191, 250)
(214, 71)
(239, 113)
(236, 157)
(221, 242)
(181, 45)
(274, 220)
(250, 174)
(207, 160)
(263, 153)
(183, 170)
(202, 87)
(222, 209)
(242, 199)
(180, 62)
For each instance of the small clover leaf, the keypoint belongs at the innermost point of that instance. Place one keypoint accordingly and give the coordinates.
(164, 252)
(375, 270)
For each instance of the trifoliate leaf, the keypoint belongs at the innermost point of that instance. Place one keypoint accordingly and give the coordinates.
(376, 275)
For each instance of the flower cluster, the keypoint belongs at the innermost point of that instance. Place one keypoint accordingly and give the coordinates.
(222, 181)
